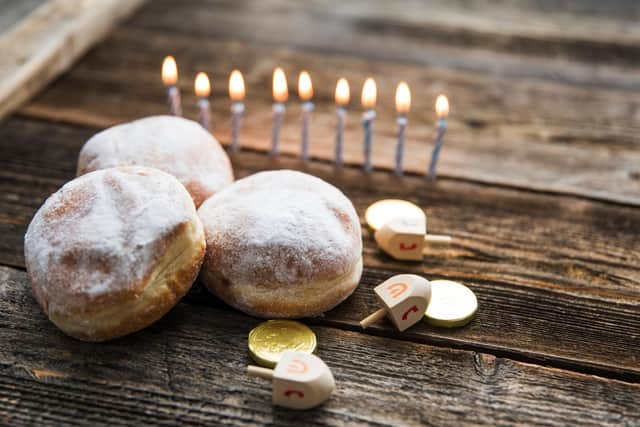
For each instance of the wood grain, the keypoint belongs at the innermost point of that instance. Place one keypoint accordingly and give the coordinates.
(189, 369)
(557, 277)
(517, 119)
(540, 189)
(48, 40)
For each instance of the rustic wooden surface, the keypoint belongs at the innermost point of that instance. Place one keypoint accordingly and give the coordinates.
(40, 39)
(540, 191)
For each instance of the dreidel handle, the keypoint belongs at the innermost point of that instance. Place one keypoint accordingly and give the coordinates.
(259, 371)
(373, 318)
(437, 239)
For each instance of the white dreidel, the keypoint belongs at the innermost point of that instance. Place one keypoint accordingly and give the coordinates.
(401, 228)
(406, 238)
(404, 298)
(300, 380)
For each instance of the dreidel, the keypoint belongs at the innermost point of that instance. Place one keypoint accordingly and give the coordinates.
(404, 298)
(406, 238)
(300, 380)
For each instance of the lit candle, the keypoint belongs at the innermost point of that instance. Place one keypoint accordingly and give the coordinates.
(342, 99)
(305, 92)
(236, 93)
(203, 90)
(403, 104)
(170, 80)
(442, 110)
(369, 92)
(280, 95)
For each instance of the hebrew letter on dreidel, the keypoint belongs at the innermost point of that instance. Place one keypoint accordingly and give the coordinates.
(397, 288)
(412, 309)
(289, 393)
(297, 367)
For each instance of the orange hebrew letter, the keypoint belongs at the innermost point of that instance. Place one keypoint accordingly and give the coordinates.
(297, 367)
(397, 289)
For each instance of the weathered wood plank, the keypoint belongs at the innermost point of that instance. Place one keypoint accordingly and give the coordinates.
(189, 369)
(557, 277)
(525, 28)
(531, 132)
(48, 40)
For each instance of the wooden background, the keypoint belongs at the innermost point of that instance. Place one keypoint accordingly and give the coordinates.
(540, 188)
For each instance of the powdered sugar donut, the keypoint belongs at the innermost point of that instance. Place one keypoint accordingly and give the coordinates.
(174, 145)
(281, 244)
(112, 251)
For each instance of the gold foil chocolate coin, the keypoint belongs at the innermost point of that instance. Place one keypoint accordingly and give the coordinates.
(270, 339)
(452, 304)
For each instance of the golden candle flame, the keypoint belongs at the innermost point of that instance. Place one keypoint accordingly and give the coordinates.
(202, 85)
(442, 106)
(403, 98)
(236, 86)
(369, 93)
(342, 92)
(305, 88)
(280, 91)
(169, 71)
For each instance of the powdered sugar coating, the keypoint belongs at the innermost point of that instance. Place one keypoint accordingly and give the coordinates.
(101, 234)
(282, 228)
(174, 145)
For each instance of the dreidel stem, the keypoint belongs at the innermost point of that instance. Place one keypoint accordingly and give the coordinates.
(437, 239)
(373, 318)
(258, 371)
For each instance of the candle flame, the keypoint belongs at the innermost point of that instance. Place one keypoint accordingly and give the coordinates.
(369, 93)
(305, 88)
(169, 71)
(202, 86)
(342, 92)
(236, 86)
(280, 91)
(403, 98)
(442, 106)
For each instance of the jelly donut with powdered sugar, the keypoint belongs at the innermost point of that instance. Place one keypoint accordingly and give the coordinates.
(174, 145)
(281, 244)
(113, 250)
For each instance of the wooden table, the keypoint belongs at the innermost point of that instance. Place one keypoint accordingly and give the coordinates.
(540, 188)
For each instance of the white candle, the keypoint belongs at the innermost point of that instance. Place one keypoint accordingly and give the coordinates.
(442, 110)
(403, 104)
(280, 95)
(342, 99)
(369, 92)
(236, 93)
(202, 88)
(170, 80)
(305, 92)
